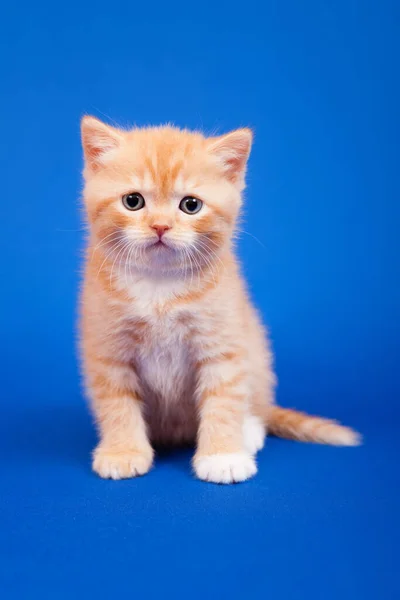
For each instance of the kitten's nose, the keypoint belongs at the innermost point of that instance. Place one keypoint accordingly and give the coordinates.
(160, 229)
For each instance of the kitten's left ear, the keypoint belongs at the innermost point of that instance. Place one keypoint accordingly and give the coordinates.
(232, 151)
(98, 141)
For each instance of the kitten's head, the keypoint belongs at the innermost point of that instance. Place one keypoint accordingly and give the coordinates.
(162, 199)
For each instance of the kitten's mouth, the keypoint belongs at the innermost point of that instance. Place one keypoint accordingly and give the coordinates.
(161, 244)
(161, 252)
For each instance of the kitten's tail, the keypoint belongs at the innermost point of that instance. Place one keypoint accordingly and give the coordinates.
(295, 425)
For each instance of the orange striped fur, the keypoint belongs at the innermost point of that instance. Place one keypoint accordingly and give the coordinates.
(173, 351)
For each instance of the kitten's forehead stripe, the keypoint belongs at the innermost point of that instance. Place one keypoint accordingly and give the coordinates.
(167, 171)
(151, 168)
(147, 181)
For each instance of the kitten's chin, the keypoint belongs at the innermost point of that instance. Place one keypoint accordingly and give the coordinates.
(161, 256)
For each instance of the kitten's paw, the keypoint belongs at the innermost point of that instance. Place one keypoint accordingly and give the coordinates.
(254, 434)
(225, 468)
(112, 464)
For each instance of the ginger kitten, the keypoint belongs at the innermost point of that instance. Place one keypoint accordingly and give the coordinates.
(173, 349)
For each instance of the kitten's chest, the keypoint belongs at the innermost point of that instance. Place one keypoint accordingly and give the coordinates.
(161, 348)
(164, 359)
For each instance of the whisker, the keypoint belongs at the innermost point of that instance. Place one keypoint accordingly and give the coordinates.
(191, 265)
(108, 239)
(124, 246)
(210, 252)
(210, 265)
(108, 254)
(239, 231)
(198, 265)
(71, 230)
(117, 232)
(207, 256)
(127, 262)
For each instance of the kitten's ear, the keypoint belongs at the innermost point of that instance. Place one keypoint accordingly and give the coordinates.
(98, 141)
(232, 151)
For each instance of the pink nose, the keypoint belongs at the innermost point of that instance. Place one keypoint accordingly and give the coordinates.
(160, 229)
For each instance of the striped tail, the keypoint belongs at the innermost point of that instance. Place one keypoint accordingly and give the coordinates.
(290, 424)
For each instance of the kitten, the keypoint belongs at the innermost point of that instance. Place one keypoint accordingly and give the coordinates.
(173, 349)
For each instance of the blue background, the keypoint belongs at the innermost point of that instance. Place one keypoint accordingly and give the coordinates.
(318, 81)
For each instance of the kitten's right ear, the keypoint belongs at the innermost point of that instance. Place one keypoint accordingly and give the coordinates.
(98, 141)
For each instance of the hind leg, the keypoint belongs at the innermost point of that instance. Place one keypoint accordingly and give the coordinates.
(263, 390)
(254, 426)
(254, 433)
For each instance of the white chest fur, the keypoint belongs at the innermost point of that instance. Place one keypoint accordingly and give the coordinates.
(163, 357)
(164, 361)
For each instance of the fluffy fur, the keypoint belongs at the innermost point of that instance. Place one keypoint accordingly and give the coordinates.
(173, 350)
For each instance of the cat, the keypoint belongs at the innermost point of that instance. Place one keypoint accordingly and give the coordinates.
(173, 350)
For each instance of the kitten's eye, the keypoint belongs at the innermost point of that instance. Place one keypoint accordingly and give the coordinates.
(190, 205)
(134, 201)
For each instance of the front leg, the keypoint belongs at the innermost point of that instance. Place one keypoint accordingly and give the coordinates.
(221, 456)
(124, 449)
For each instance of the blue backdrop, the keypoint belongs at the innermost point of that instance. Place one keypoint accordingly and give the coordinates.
(318, 81)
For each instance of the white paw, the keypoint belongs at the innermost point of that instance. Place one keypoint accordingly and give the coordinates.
(254, 434)
(225, 468)
(121, 465)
